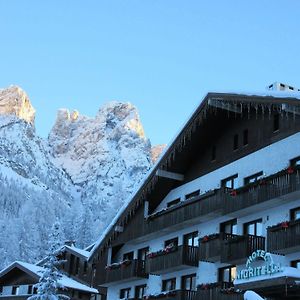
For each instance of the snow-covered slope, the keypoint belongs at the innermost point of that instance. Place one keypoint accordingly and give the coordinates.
(81, 175)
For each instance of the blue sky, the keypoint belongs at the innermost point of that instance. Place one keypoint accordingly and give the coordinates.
(161, 55)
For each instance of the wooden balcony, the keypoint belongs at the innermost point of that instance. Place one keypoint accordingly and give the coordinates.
(280, 186)
(210, 247)
(238, 247)
(218, 291)
(204, 206)
(284, 238)
(134, 270)
(175, 295)
(179, 258)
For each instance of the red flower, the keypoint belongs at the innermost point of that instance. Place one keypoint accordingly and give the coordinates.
(285, 224)
(233, 193)
(205, 239)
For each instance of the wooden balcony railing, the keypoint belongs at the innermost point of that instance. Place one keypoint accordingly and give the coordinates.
(284, 238)
(135, 269)
(210, 247)
(218, 291)
(274, 186)
(237, 247)
(175, 295)
(211, 202)
(214, 203)
(177, 258)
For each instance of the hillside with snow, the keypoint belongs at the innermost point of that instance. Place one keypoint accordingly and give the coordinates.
(81, 175)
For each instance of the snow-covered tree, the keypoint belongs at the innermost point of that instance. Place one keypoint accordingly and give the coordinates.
(48, 286)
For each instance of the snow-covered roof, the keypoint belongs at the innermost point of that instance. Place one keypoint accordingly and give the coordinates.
(37, 271)
(265, 93)
(152, 171)
(79, 251)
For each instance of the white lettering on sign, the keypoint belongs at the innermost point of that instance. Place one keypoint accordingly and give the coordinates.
(268, 269)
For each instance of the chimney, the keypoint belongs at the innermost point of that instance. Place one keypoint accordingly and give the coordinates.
(70, 243)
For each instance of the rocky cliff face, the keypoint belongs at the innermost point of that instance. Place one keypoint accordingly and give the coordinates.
(81, 175)
(14, 101)
(105, 156)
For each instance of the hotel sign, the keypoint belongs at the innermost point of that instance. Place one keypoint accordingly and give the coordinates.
(253, 270)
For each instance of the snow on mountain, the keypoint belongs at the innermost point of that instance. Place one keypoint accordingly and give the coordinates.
(81, 175)
(106, 156)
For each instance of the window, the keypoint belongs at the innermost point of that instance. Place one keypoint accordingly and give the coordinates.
(253, 178)
(77, 266)
(192, 195)
(171, 243)
(85, 267)
(140, 291)
(188, 282)
(29, 290)
(230, 182)
(128, 256)
(227, 274)
(72, 259)
(254, 228)
(125, 293)
(169, 284)
(174, 202)
(15, 290)
(142, 253)
(229, 227)
(245, 137)
(1, 290)
(191, 239)
(213, 153)
(295, 263)
(276, 122)
(295, 214)
(235, 142)
(295, 161)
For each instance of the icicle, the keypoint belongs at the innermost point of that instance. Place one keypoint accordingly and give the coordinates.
(256, 110)
(263, 111)
(270, 111)
(248, 106)
(241, 110)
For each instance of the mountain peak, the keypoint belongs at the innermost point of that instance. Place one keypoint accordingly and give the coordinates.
(14, 101)
(116, 113)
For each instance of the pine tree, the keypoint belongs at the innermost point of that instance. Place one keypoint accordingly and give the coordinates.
(48, 286)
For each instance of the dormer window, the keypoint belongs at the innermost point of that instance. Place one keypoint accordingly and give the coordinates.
(173, 202)
(192, 195)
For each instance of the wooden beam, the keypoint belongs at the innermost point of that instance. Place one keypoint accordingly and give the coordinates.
(220, 103)
(170, 175)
